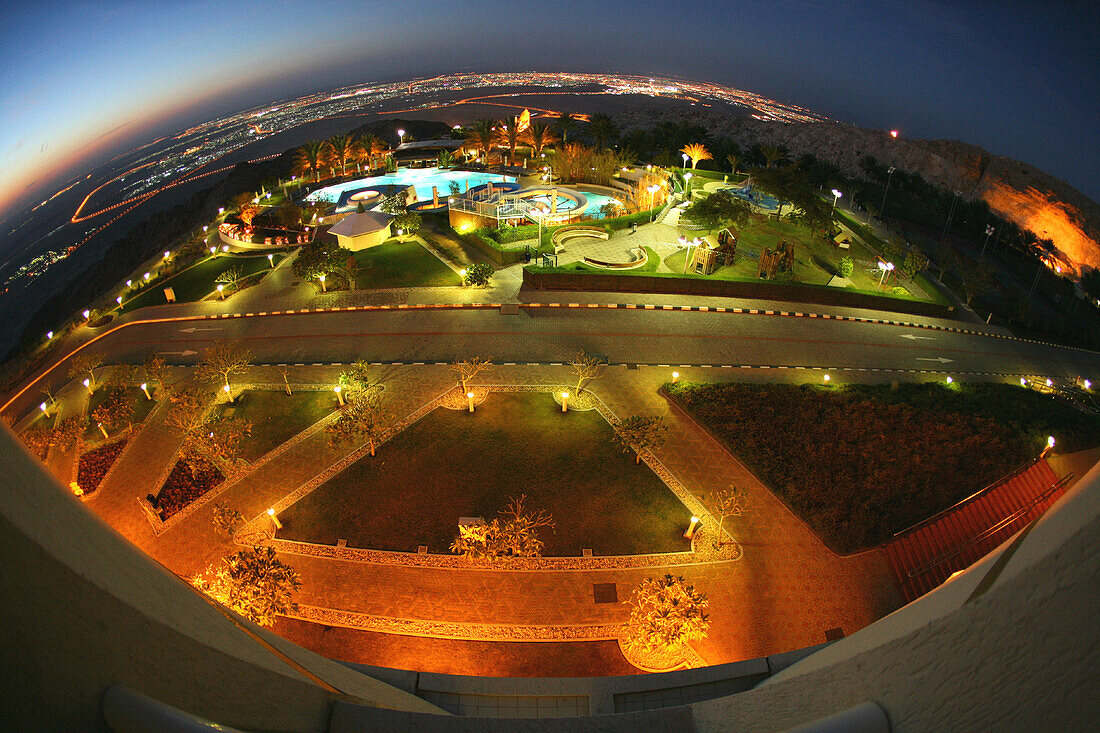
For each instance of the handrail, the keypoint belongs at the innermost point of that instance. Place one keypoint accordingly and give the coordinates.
(126, 709)
(1003, 479)
(939, 560)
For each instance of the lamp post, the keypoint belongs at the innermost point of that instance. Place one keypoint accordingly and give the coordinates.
(692, 526)
(271, 260)
(401, 135)
(988, 233)
(274, 519)
(836, 195)
(45, 408)
(950, 216)
(221, 295)
(145, 389)
(564, 401)
(228, 393)
(890, 174)
(470, 400)
(541, 217)
(321, 277)
(687, 184)
(675, 377)
(339, 394)
(87, 385)
(685, 157)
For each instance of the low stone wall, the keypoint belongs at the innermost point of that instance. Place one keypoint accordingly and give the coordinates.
(762, 290)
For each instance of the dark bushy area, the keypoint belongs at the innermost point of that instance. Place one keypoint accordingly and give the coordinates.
(163, 230)
(95, 464)
(861, 462)
(183, 487)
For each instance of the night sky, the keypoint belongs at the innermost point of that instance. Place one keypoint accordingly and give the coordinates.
(1021, 79)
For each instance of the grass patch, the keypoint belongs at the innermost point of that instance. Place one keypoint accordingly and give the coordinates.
(861, 462)
(452, 464)
(653, 261)
(197, 281)
(396, 264)
(276, 417)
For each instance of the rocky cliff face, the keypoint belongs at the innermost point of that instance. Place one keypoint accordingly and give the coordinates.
(1017, 191)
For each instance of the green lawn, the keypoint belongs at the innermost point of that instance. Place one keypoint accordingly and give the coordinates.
(396, 264)
(276, 416)
(861, 462)
(197, 282)
(453, 464)
(653, 261)
(141, 404)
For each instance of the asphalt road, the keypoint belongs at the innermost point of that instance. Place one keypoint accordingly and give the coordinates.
(624, 336)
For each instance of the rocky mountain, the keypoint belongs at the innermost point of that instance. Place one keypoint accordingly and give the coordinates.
(1022, 193)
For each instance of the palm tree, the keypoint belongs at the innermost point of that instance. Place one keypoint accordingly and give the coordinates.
(508, 135)
(697, 152)
(310, 157)
(771, 154)
(734, 160)
(564, 124)
(363, 149)
(446, 159)
(341, 148)
(482, 136)
(602, 128)
(538, 135)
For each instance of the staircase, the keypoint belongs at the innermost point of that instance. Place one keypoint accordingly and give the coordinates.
(925, 555)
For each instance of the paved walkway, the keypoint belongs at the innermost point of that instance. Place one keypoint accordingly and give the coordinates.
(785, 593)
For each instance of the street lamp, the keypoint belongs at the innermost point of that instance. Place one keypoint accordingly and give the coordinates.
(988, 233)
(339, 394)
(687, 183)
(274, 519)
(564, 401)
(692, 526)
(45, 409)
(87, 314)
(167, 255)
(271, 260)
(685, 157)
(213, 251)
(401, 134)
(228, 392)
(890, 174)
(541, 218)
(675, 377)
(836, 195)
(220, 289)
(321, 277)
(145, 389)
(146, 276)
(470, 400)
(652, 193)
(49, 335)
(827, 377)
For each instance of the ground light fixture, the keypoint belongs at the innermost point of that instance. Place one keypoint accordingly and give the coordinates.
(685, 157)
(339, 394)
(146, 276)
(274, 519)
(1049, 448)
(675, 377)
(564, 401)
(45, 408)
(129, 283)
(220, 289)
(470, 400)
(87, 385)
(271, 260)
(145, 389)
(836, 195)
(49, 335)
(692, 526)
(228, 392)
(225, 248)
(119, 300)
(221, 210)
(1023, 382)
(826, 378)
(213, 250)
(950, 380)
(321, 277)
(462, 274)
(1050, 383)
(87, 314)
(167, 254)
(1087, 384)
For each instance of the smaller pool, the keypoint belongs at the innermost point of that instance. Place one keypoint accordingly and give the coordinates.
(761, 199)
(596, 202)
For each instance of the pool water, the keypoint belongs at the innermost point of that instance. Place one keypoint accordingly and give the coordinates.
(422, 179)
(753, 196)
(596, 201)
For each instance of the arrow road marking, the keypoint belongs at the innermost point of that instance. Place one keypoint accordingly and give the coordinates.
(911, 337)
(195, 328)
(187, 352)
(940, 359)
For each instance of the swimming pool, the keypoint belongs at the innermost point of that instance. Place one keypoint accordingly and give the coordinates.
(761, 199)
(596, 201)
(422, 179)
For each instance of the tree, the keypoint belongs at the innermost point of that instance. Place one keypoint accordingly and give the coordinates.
(359, 419)
(586, 368)
(469, 368)
(720, 210)
(975, 279)
(914, 262)
(341, 149)
(814, 213)
(394, 204)
(319, 257)
(772, 154)
(284, 372)
(358, 378)
(508, 135)
(482, 136)
(664, 613)
(85, 363)
(602, 129)
(226, 520)
(734, 160)
(445, 159)
(222, 360)
(945, 255)
(155, 370)
(514, 534)
(216, 444)
(68, 433)
(409, 222)
(564, 124)
(845, 267)
(640, 433)
(230, 276)
(38, 440)
(247, 213)
(727, 503)
(786, 184)
(310, 158)
(255, 583)
(697, 152)
(290, 215)
(1090, 282)
(538, 135)
(115, 411)
(478, 274)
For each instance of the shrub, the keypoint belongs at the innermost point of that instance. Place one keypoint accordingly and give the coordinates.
(845, 267)
(478, 274)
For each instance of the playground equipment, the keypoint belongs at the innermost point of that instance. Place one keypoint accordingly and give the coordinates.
(772, 262)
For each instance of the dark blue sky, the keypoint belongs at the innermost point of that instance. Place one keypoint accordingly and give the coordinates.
(1017, 78)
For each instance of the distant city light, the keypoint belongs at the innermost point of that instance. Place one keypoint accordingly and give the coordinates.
(893, 133)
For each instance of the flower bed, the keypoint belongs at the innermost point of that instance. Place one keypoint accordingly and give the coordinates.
(181, 488)
(95, 464)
